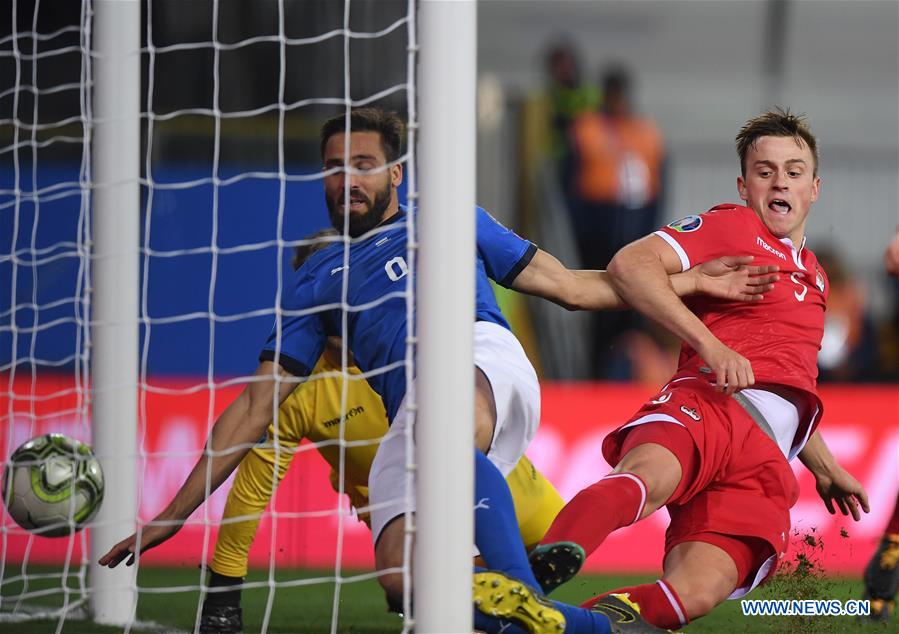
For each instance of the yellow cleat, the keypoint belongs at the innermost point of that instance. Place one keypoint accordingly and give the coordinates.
(503, 597)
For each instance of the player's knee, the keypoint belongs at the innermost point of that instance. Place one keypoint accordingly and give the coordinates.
(702, 580)
(657, 467)
(485, 412)
(700, 602)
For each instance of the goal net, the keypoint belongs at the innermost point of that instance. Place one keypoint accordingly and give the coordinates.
(197, 238)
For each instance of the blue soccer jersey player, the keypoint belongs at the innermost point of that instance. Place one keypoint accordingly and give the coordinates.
(506, 389)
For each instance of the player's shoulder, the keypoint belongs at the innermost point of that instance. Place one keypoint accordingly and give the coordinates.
(725, 213)
(322, 260)
(730, 209)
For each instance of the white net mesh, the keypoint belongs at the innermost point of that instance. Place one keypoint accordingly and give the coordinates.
(232, 97)
(45, 268)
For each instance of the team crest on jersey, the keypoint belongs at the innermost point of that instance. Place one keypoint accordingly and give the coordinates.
(819, 279)
(686, 225)
(692, 413)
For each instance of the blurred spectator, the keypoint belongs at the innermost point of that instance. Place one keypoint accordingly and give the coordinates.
(544, 176)
(888, 334)
(616, 195)
(891, 256)
(548, 114)
(567, 94)
(848, 349)
(882, 572)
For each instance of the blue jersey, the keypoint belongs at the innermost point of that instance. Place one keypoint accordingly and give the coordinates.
(376, 288)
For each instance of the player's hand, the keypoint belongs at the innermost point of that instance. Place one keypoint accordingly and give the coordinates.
(150, 536)
(839, 489)
(732, 371)
(731, 277)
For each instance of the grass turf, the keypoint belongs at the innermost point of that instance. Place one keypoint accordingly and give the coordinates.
(303, 606)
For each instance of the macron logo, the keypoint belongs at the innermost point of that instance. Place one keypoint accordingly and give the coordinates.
(337, 269)
(770, 249)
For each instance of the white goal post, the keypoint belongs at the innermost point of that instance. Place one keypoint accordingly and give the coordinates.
(447, 78)
(115, 158)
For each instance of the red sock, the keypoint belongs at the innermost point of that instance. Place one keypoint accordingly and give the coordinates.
(893, 525)
(615, 501)
(659, 604)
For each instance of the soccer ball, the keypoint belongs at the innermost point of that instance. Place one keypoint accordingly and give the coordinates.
(52, 485)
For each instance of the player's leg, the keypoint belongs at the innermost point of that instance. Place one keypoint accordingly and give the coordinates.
(699, 575)
(500, 598)
(537, 502)
(248, 497)
(702, 575)
(507, 412)
(725, 537)
(497, 535)
(882, 571)
(389, 561)
(651, 471)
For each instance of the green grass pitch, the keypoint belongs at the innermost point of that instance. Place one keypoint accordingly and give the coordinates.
(308, 608)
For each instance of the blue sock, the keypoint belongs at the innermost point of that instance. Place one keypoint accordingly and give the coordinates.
(583, 621)
(493, 625)
(496, 531)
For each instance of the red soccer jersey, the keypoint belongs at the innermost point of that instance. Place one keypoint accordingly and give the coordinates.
(781, 334)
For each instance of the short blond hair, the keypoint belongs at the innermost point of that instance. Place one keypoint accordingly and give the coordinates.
(778, 122)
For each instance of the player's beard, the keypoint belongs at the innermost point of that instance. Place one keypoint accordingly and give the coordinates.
(361, 223)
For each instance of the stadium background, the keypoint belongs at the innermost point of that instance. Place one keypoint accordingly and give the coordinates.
(701, 68)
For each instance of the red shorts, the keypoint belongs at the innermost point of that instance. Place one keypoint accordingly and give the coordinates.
(740, 484)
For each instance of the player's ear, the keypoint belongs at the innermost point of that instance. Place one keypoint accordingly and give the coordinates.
(396, 174)
(816, 184)
(741, 187)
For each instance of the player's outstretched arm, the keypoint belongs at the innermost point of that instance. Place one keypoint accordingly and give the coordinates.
(639, 273)
(833, 482)
(727, 278)
(240, 426)
(546, 277)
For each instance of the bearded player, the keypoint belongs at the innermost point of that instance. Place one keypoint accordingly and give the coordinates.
(313, 411)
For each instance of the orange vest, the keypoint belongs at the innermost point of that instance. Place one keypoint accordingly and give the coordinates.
(619, 160)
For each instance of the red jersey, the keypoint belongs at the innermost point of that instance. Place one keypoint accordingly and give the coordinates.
(781, 334)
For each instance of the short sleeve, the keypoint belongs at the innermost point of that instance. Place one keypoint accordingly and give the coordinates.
(301, 335)
(722, 230)
(505, 254)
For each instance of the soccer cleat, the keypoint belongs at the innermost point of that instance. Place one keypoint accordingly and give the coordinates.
(220, 619)
(554, 564)
(882, 578)
(624, 615)
(882, 609)
(503, 597)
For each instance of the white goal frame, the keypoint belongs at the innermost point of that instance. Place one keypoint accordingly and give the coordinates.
(447, 79)
(115, 157)
(444, 529)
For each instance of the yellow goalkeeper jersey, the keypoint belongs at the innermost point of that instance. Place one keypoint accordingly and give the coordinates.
(313, 411)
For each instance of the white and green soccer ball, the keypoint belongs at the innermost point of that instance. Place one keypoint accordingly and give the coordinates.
(52, 485)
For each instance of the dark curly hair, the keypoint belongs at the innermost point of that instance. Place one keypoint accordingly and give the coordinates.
(387, 124)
